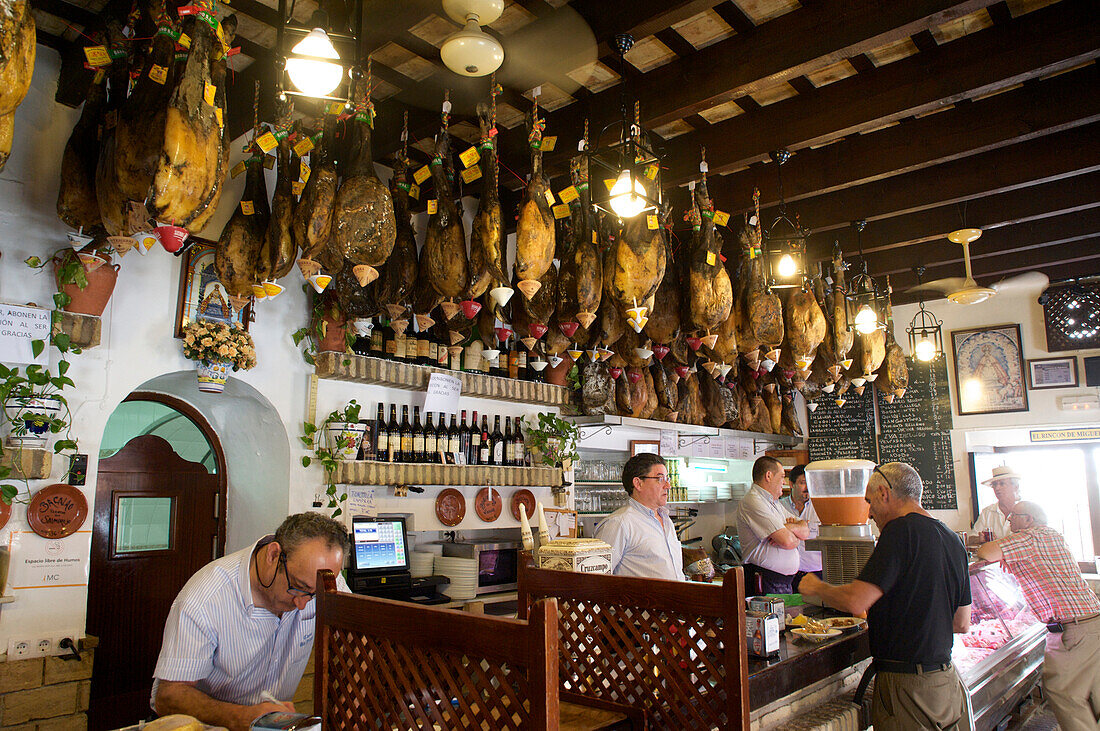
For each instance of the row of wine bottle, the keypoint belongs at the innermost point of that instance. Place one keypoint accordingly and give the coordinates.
(430, 442)
(424, 348)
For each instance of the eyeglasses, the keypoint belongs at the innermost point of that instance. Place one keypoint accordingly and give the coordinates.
(659, 478)
(290, 587)
(884, 477)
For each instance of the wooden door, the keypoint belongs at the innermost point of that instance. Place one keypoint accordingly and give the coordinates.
(156, 524)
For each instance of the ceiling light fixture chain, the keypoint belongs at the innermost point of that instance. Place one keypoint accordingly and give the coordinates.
(926, 330)
(784, 241)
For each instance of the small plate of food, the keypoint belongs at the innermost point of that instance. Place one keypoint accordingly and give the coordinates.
(845, 624)
(811, 636)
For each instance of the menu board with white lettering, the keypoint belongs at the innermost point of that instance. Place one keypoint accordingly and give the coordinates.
(930, 455)
(846, 431)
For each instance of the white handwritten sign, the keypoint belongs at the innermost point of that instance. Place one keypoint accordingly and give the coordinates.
(18, 327)
(42, 563)
(360, 502)
(669, 448)
(443, 393)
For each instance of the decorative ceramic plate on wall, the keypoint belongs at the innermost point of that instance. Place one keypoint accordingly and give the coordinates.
(450, 507)
(488, 504)
(526, 498)
(57, 511)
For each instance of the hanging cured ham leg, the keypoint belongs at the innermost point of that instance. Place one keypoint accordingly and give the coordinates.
(76, 202)
(17, 49)
(395, 284)
(444, 253)
(535, 228)
(277, 255)
(487, 234)
(710, 294)
(312, 225)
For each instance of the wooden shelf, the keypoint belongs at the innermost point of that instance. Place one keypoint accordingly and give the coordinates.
(363, 369)
(84, 331)
(384, 473)
(32, 464)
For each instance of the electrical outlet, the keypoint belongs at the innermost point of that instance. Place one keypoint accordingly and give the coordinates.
(43, 647)
(18, 649)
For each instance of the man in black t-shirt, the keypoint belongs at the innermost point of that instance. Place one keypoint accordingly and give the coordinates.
(916, 592)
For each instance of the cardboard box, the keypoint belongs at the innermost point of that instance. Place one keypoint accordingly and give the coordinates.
(762, 633)
(583, 555)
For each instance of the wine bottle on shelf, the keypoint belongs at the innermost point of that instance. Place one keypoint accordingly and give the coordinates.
(452, 436)
(520, 450)
(431, 440)
(422, 347)
(463, 438)
(474, 457)
(381, 435)
(509, 445)
(513, 361)
(485, 454)
(406, 436)
(521, 371)
(496, 442)
(389, 343)
(418, 436)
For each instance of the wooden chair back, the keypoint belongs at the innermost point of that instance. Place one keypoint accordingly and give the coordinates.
(383, 664)
(676, 649)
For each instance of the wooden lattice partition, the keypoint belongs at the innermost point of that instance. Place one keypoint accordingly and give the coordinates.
(390, 665)
(675, 649)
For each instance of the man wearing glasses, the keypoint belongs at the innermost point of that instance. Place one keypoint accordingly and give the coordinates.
(240, 632)
(641, 535)
(1058, 595)
(915, 590)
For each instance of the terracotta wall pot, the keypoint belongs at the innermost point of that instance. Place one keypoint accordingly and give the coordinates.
(335, 336)
(556, 376)
(92, 299)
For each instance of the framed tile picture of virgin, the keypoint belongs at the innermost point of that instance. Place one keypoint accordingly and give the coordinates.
(989, 370)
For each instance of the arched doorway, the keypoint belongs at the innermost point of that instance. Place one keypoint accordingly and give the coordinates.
(160, 509)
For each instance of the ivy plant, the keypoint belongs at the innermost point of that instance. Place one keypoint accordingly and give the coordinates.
(554, 438)
(314, 332)
(313, 437)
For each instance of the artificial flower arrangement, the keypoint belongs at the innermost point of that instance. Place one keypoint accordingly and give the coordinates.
(213, 342)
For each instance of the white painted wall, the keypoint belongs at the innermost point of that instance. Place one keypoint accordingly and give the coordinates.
(1016, 306)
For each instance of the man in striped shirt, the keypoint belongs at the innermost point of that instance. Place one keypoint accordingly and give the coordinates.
(1059, 596)
(240, 632)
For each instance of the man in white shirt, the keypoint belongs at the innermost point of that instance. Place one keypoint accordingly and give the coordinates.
(240, 632)
(994, 518)
(641, 535)
(769, 534)
(809, 562)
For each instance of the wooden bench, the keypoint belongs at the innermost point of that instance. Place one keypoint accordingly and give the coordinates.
(674, 650)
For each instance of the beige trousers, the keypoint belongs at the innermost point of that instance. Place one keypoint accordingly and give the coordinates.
(935, 700)
(1071, 675)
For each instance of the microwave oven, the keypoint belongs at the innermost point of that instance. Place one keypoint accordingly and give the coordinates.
(497, 562)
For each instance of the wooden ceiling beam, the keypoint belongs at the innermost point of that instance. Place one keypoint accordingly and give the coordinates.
(732, 13)
(67, 11)
(639, 18)
(1031, 111)
(1055, 38)
(1047, 159)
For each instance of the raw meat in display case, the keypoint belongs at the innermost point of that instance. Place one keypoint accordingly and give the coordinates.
(999, 614)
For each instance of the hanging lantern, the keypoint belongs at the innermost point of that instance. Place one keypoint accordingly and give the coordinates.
(925, 331)
(784, 240)
(307, 57)
(626, 172)
(864, 302)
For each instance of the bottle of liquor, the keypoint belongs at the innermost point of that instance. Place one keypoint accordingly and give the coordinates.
(513, 361)
(422, 348)
(484, 453)
(377, 341)
(521, 371)
(389, 344)
(474, 457)
(454, 436)
(509, 445)
(381, 435)
(519, 449)
(496, 441)
(472, 359)
(400, 347)
(464, 438)
(431, 441)
(455, 358)
(407, 454)
(418, 436)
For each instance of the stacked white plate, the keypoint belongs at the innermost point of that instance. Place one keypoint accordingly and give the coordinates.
(462, 573)
(421, 563)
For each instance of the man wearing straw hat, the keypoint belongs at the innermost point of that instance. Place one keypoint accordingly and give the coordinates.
(1058, 595)
(994, 518)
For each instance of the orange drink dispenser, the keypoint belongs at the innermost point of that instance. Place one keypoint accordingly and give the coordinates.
(837, 488)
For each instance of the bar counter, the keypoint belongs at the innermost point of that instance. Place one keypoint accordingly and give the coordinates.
(800, 664)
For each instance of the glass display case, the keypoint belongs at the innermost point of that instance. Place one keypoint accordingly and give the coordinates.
(1000, 658)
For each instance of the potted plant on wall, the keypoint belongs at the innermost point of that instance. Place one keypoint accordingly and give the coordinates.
(216, 347)
(327, 330)
(343, 435)
(551, 440)
(85, 279)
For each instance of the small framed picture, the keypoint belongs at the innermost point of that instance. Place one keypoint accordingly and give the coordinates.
(447, 457)
(201, 294)
(645, 446)
(456, 458)
(1052, 373)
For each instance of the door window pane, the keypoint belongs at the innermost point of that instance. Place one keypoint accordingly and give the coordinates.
(143, 524)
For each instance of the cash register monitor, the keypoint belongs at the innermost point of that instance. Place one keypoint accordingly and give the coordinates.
(380, 546)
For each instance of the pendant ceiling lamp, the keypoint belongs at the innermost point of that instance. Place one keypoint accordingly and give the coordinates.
(471, 51)
(925, 331)
(864, 302)
(307, 56)
(627, 164)
(784, 240)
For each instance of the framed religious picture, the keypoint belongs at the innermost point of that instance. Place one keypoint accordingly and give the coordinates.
(1052, 373)
(989, 370)
(201, 295)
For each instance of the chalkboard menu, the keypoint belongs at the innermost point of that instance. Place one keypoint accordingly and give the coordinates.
(843, 432)
(917, 429)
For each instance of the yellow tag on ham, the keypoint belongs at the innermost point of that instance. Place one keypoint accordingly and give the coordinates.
(595, 238)
(414, 192)
(549, 196)
(269, 161)
(247, 208)
(432, 206)
(469, 175)
(238, 169)
(651, 222)
(267, 142)
(469, 157)
(208, 94)
(421, 175)
(303, 147)
(711, 258)
(297, 187)
(548, 143)
(218, 116)
(304, 173)
(561, 210)
(568, 195)
(610, 183)
(721, 218)
(97, 56)
(185, 40)
(158, 74)
(651, 172)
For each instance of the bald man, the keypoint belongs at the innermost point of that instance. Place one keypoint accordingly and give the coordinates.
(1058, 595)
